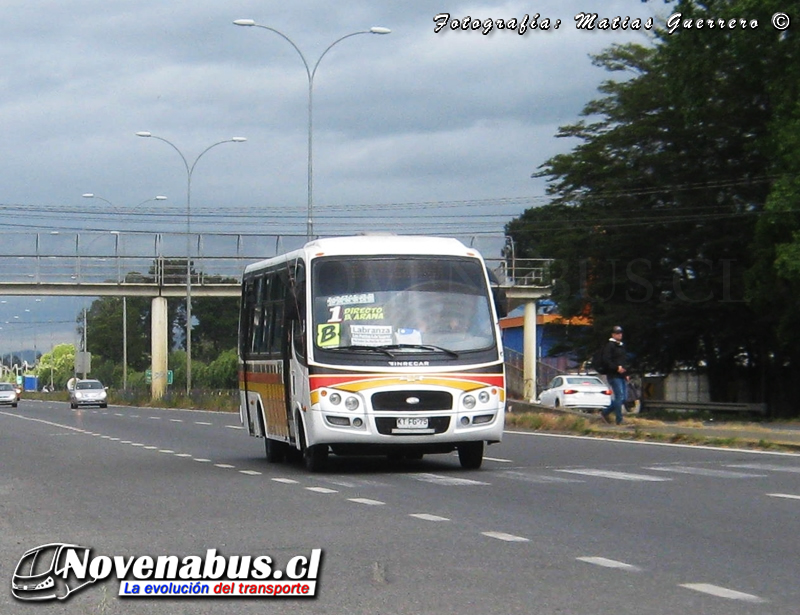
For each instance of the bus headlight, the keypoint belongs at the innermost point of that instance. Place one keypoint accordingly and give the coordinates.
(335, 399)
(483, 397)
(351, 403)
(469, 402)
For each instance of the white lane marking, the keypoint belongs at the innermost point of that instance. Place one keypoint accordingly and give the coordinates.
(354, 483)
(201, 423)
(537, 478)
(234, 426)
(427, 517)
(250, 472)
(183, 454)
(165, 450)
(150, 448)
(506, 537)
(497, 459)
(367, 501)
(118, 414)
(154, 418)
(134, 416)
(615, 441)
(201, 460)
(224, 465)
(114, 439)
(444, 480)
(771, 467)
(288, 481)
(136, 444)
(176, 420)
(609, 563)
(617, 475)
(788, 496)
(722, 592)
(705, 472)
(321, 490)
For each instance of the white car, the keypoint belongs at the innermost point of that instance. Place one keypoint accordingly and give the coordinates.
(88, 393)
(8, 394)
(574, 391)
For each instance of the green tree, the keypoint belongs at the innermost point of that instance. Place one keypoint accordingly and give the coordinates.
(56, 366)
(654, 211)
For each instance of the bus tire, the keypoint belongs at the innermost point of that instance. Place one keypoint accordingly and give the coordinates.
(315, 457)
(470, 455)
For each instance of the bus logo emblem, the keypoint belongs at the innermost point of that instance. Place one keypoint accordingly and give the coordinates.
(412, 400)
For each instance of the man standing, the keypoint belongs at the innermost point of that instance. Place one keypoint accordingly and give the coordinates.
(615, 363)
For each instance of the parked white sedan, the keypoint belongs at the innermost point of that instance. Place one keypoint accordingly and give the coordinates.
(573, 391)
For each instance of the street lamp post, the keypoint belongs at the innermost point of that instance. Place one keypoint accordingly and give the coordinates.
(310, 73)
(189, 172)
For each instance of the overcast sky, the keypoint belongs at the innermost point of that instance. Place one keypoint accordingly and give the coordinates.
(413, 131)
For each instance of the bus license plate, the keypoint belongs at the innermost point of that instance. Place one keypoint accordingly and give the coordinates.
(414, 423)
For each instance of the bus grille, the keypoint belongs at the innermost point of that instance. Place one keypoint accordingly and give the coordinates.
(412, 401)
(386, 426)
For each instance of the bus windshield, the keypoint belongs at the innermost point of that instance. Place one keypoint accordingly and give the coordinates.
(394, 305)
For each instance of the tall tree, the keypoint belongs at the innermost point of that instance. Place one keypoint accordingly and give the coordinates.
(654, 211)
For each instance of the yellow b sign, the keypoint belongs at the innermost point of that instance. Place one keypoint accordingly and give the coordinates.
(328, 335)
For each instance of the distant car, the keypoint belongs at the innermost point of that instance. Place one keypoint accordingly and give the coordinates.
(8, 394)
(574, 391)
(88, 393)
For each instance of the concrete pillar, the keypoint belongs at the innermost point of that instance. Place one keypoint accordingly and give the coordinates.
(159, 346)
(529, 351)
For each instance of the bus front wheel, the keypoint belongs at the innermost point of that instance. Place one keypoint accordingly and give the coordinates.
(470, 455)
(315, 457)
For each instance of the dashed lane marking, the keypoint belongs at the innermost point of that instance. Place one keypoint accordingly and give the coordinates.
(722, 592)
(505, 537)
(609, 563)
(427, 517)
(444, 480)
(787, 496)
(287, 481)
(771, 467)
(497, 460)
(617, 475)
(538, 478)
(250, 472)
(705, 472)
(321, 490)
(367, 501)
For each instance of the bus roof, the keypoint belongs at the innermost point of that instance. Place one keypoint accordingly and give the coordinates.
(358, 245)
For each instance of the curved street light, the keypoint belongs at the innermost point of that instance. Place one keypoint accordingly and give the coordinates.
(189, 172)
(310, 73)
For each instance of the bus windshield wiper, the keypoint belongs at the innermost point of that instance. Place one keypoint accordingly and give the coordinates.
(429, 347)
(357, 348)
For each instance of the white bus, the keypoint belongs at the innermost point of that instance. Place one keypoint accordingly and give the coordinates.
(372, 345)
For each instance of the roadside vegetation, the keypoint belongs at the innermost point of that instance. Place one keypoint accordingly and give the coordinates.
(685, 429)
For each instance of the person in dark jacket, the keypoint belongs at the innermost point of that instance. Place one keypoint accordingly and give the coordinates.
(615, 363)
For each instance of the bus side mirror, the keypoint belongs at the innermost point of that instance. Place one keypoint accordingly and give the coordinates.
(500, 301)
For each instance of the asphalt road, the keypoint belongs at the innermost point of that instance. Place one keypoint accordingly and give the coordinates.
(550, 524)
